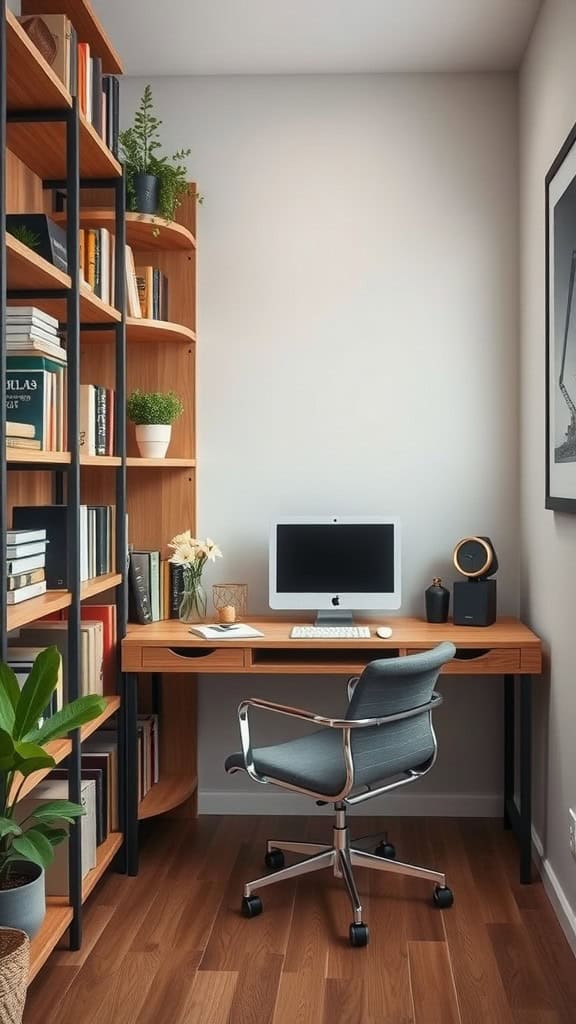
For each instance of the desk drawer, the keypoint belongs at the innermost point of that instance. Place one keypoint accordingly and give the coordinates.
(192, 659)
(480, 661)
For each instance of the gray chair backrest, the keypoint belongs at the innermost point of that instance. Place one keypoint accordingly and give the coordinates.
(388, 687)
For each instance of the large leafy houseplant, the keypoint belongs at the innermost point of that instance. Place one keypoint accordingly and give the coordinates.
(166, 183)
(23, 738)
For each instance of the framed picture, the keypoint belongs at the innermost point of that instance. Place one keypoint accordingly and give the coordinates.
(561, 329)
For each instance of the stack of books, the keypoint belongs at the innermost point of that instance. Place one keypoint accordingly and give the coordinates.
(97, 262)
(97, 539)
(42, 634)
(25, 564)
(152, 293)
(96, 420)
(35, 381)
(155, 587)
(98, 95)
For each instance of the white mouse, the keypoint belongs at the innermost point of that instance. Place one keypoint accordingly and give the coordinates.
(384, 632)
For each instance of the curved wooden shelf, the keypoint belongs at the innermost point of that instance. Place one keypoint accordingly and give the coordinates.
(55, 924)
(100, 460)
(157, 330)
(140, 227)
(87, 25)
(170, 792)
(26, 269)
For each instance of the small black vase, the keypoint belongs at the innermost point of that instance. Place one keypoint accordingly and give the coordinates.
(437, 601)
(147, 193)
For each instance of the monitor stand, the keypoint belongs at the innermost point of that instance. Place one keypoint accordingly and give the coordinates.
(334, 617)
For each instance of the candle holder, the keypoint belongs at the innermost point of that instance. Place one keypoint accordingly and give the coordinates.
(230, 601)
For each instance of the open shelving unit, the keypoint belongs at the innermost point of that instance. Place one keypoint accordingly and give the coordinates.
(47, 143)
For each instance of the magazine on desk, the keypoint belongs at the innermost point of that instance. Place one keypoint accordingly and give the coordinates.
(237, 631)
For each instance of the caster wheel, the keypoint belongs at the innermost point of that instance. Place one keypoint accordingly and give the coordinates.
(443, 897)
(274, 860)
(386, 850)
(251, 906)
(359, 934)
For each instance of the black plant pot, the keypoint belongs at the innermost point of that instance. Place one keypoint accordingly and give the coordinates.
(147, 193)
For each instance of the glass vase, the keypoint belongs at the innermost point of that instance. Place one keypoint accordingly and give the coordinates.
(194, 600)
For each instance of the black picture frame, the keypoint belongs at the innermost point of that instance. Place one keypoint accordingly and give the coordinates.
(560, 299)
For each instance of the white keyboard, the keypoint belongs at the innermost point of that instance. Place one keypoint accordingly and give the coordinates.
(330, 633)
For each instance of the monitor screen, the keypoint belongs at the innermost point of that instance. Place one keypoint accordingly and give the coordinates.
(313, 562)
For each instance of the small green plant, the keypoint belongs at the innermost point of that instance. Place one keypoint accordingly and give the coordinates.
(22, 742)
(25, 235)
(139, 150)
(152, 408)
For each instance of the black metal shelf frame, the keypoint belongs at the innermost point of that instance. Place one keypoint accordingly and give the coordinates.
(67, 477)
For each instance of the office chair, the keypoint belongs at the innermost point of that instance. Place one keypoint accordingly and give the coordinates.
(387, 734)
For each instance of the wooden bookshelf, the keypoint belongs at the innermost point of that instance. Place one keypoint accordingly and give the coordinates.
(100, 584)
(31, 456)
(26, 269)
(31, 83)
(57, 921)
(100, 461)
(52, 601)
(136, 462)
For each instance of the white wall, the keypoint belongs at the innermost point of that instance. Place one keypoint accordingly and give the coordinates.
(357, 346)
(548, 555)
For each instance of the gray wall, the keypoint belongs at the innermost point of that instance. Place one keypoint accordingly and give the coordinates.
(548, 555)
(357, 350)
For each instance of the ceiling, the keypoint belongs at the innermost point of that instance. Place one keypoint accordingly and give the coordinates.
(225, 37)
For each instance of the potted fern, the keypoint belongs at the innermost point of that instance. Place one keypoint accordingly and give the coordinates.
(27, 846)
(154, 184)
(153, 413)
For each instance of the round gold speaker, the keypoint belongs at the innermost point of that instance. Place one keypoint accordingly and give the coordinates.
(475, 557)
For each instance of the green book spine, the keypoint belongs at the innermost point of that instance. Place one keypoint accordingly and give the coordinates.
(26, 400)
(33, 363)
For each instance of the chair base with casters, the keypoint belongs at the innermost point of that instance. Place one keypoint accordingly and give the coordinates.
(386, 735)
(341, 857)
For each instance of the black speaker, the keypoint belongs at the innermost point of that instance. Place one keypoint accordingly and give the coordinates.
(474, 603)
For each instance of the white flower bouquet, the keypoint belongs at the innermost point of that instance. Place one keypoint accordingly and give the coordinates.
(191, 555)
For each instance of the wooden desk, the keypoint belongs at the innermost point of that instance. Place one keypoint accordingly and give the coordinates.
(507, 649)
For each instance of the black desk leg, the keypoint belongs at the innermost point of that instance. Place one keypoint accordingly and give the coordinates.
(525, 836)
(131, 773)
(509, 730)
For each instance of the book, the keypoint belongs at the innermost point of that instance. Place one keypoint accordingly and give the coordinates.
(21, 656)
(23, 442)
(82, 254)
(97, 94)
(26, 593)
(97, 776)
(100, 412)
(110, 420)
(31, 314)
(20, 430)
(83, 65)
(139, 608)
(110, 86)
(90, 258)
(102, 744)
(145, 284)
(36, 547)
(154, 562)
(32, 344)
(58, 397)
(16, 566)
(233, 632)
(52, 518)
(25, 579)
(133, 302)
(106, 614)
(87, 419)
(24, 536)
(176, 589)
(51, 34)
(28, 401)
(50, 238)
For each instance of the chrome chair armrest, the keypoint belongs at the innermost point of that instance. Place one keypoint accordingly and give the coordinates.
(351, 685)
(344, 724)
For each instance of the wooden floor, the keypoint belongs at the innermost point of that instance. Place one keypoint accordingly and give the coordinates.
(170, 947)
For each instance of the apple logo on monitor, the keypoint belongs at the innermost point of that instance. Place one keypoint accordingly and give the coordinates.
(336, 601)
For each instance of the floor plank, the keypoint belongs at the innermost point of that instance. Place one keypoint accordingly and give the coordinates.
(432, 984)
(171, 945)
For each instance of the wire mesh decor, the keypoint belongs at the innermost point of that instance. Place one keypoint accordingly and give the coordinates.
(230, 601)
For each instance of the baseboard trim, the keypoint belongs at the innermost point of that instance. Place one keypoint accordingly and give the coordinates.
(555, 892)
(431, 805)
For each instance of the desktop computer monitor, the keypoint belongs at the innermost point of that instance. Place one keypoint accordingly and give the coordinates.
(335, 564)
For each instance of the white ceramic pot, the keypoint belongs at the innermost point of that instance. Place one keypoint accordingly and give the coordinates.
(153, 440)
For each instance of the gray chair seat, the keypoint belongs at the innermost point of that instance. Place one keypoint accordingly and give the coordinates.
(316, 762)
